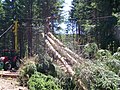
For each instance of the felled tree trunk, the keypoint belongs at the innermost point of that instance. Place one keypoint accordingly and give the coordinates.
(72, 54)
(69, 69)
(55, 39)
(62, 51)
(57, 55)
(54, 47)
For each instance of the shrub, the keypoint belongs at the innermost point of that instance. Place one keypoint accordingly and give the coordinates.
(104, 80)
(90, 50)
(96, 77)
(26, 72)
(46, 67)
(114, 65)
(39, 81)
(103, 54)
(117, 54)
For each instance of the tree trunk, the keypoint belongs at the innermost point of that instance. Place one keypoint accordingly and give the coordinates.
(55, 48)
(57, 55)
(69, 69)
(60, 44)
(61, 51)
(29, 27)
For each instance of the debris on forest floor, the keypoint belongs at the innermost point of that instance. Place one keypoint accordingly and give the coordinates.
(9, 74)
(10, 84)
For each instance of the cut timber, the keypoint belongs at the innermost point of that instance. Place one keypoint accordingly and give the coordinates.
(59, 43)
(9, 74)
(57, 55)
(55, 39)
(53, 48)
(69, 69)
(61, 51)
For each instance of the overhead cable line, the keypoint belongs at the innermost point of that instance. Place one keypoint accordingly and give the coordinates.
(104, 17)
(6, 31)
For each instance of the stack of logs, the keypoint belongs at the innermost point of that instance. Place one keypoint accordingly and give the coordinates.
(64, 55)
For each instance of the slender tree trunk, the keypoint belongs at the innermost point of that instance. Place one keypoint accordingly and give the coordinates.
(13, 41)
(29, 25)
(21, 43)
(52, 22)
(4, 45)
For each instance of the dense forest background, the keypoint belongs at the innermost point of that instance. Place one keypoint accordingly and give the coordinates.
(90, 21)
(99, 20)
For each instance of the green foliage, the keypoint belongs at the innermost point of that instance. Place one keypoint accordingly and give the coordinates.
(90, 50)
(118, 16)
(46, 67)
(112, 62)
(26, 72)
(68, 83)
(103, 54)
(98, 77)
(101, 74)
(104, 80)
(1, 8)
(114, 65)
(39, 81)
(116, 55)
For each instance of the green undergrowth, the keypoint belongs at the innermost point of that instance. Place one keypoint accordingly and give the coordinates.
(101, 72)
(90, 50)
(44, 75)
(116, 55)
(97, 77)
(39, 81)
(26, 71)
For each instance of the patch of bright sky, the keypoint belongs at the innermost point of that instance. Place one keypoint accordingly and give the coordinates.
(66, 8)
(67, 5)
(65, 13)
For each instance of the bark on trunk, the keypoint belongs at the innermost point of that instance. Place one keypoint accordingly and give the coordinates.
(55, 47)
(57, 55)
(77, 58)
(61, 51)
